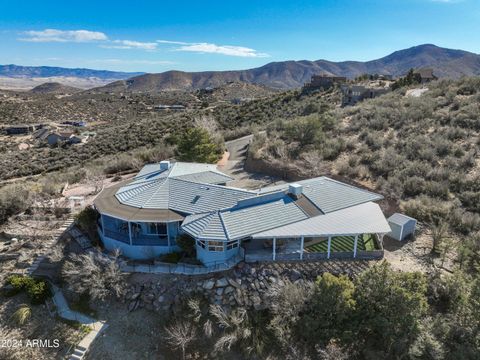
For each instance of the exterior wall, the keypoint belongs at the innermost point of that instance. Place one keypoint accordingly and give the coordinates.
(212, 257)
(408, 229)
(396, 231)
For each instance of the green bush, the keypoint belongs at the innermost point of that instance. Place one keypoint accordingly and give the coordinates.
(187, 244)
(37, 290)
(171, 258)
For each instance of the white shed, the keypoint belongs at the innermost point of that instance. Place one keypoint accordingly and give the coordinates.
(402, 226)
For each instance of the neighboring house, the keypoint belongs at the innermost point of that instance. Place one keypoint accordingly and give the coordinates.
(169, 107)
(22, 129)
(55, 138)
(425, 75)
(75, 123)
(324, 81)
(355, 93)
(311, 219)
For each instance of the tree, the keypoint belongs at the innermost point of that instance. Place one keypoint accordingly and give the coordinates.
(329, 311)
(389, 308)
(181, 334)
(94, 274)
(196, 145)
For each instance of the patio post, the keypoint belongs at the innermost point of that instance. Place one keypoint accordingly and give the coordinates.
(274, 248)
(103, 225)
(301, 247)
(168, 235)
(355, 246)
(329, 245)
(130, 232)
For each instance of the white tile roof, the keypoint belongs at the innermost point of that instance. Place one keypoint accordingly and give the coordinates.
(239, 222)
(360, 219)
(330, 195)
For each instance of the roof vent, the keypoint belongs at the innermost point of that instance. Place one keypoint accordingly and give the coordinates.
(295, 189)
(164, 165)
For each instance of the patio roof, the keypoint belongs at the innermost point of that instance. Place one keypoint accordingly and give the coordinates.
(360, 219)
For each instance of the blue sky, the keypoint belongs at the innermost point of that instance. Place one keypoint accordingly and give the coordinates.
(155, 36)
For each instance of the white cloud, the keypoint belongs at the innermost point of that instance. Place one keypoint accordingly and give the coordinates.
(54, 35)
(229, 50)
(130, 44)
(131, 61)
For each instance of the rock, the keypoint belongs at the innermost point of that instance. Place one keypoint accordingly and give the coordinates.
(135, 296)
(295, 275)
(228, 290)
(219, 291)
(234, 283)
(221, 282)
(208, 284)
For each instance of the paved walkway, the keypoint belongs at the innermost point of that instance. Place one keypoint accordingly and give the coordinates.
(64, 311)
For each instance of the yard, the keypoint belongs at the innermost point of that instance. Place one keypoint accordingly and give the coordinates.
(366, 242)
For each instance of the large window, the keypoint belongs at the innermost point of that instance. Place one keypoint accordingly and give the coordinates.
(215, 245)
(157, 228)
(232, 244)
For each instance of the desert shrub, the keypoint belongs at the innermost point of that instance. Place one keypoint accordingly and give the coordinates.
(87, 220)
(171, 258)
(13, 199)
(37, 290)
(187, 244)
(95, 274)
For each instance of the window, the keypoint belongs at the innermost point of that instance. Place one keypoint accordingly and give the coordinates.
(232, 244)
(215, 245)
(157, 228)
(202, 243)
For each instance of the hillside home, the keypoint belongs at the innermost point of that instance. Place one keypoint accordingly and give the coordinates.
(323, 81)
(318, 218)
(355, 93)
(425, 75)
(22, 129)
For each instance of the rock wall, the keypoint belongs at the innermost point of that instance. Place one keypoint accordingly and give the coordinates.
(247, 285)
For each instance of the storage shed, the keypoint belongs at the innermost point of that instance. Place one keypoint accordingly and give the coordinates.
(402, 226)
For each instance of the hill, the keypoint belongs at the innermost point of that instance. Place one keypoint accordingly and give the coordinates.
(447, 63)
(54, 88)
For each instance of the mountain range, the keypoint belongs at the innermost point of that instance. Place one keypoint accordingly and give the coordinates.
(446, 63)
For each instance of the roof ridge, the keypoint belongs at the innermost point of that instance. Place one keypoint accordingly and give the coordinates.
(225, 230)
(215, 185)
(155, 192)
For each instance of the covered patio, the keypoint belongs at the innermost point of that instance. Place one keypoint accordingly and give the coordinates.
(355, 232)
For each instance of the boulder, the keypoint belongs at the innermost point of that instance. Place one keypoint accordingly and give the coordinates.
(221, 282)
(208, 284)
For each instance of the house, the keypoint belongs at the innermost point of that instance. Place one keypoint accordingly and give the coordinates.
(318, 218)
(22, 129)
(55, 138)
(169, 107)
(355, 93)
(323, 81)
(75, 123)
(425, 75)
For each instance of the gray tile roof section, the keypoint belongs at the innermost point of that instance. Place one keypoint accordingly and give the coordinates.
(181, 195)
(365, 218)
(400, 219)
(240, 222)
(330, 195)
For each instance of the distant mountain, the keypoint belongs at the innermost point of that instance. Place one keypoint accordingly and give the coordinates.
(50, 71)
(54, 88)
(446, 63)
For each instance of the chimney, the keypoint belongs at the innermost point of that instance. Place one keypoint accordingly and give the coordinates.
(164, 165)
(295, 190)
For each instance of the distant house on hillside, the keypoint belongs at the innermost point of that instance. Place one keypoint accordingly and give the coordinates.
(56, 138)
(355, 93)
(169, 107)
(323, 81)
(75, 123)
(22, 129)
(425, 75)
